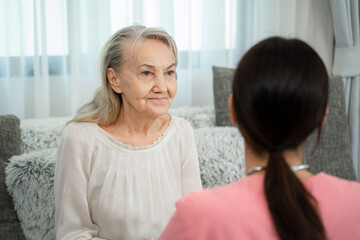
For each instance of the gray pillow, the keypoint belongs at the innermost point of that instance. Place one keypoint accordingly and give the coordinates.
(30, 182)
(222, 85)
(333, 154)
(198, 117)
(41, 133)
(10, 143)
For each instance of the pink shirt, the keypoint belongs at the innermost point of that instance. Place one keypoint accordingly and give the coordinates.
(239, 210)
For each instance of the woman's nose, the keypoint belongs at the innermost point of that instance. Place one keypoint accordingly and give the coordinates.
(160, 83)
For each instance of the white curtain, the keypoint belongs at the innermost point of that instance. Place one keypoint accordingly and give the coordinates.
(49, 49)
(346, 19)
(49, 52)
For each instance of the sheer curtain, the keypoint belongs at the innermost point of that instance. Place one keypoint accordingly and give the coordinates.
(49, 50)
(346, 15)
(48, 55)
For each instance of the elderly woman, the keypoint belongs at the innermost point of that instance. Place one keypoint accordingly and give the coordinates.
(123, 160)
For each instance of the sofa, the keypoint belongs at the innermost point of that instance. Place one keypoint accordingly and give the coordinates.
(28, 152)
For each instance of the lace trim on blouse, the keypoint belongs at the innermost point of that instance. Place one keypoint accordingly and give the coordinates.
(130, 147)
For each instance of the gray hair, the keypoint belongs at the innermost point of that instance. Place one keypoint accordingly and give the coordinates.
(106, 104)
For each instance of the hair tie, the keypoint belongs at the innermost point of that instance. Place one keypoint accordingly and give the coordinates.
(273, 149)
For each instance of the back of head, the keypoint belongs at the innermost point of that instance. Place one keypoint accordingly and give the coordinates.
(105, 107)
(280, 93)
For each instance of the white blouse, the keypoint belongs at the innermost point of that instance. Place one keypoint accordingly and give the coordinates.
(105, 189)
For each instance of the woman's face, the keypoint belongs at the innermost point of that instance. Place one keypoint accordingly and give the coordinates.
(147, 82)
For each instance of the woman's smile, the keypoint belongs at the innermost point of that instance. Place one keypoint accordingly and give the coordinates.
(158, 99)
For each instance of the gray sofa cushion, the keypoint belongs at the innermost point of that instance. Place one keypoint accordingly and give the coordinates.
(222, 85)
(10, 141)
(10, 144)
(333, 153)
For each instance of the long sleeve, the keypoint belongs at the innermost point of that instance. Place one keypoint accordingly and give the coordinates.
(72, 216)
(190, 173)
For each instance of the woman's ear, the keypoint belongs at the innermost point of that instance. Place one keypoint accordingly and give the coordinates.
(232, 110)
(325, 115)
(113, 80)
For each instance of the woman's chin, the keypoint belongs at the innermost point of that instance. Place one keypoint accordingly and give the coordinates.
(160, 110)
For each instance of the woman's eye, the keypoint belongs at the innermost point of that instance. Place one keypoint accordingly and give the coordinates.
(146, 73)
(170, 73)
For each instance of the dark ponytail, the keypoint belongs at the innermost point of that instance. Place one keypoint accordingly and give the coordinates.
(291, 205)
(280, 92)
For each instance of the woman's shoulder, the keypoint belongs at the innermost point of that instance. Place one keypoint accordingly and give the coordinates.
(338, 201)
(333, 191)
(79, 127)
(181, 123)
(198, 204)
(212, 198)
(77, 131)
(221, 206)
(328, 182)
(326, 179)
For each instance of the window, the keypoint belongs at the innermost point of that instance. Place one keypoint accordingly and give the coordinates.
(32, 29)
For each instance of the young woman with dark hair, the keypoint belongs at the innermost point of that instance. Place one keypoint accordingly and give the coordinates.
(279, 97)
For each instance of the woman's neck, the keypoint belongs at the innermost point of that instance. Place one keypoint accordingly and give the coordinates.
(291, 156)
(138, 130)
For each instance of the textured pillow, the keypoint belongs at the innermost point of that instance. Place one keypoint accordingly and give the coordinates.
(197, 116)
(221, 155)
(30, 182)
(222, 85)
(38, 134)
(10, 143)
(333, 154)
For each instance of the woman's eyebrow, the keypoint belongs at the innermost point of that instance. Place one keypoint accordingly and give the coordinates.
(152, 67)
(146, 65)
(172, 65)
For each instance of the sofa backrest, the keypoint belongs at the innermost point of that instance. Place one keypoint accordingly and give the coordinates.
(9, 145)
